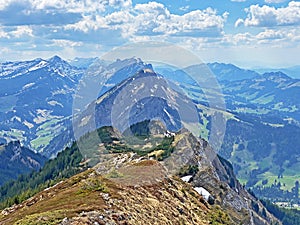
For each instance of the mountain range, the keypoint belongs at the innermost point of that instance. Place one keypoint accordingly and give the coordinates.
(262, 110)
(136, 128)
(36, 99)
(293, 71)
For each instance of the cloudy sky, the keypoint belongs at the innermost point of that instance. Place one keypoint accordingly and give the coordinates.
(249, 33)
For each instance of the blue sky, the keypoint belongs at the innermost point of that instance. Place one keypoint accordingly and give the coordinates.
(248, 33)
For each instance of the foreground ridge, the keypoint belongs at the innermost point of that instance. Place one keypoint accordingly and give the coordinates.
(127, 188)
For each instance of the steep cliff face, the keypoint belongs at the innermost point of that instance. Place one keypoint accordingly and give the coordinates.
(215, 175)
(139, 186)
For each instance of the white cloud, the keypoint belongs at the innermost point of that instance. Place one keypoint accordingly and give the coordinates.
(271, 34)
(22, 31)
(5, 3)
(88, 23)
(281, 38)
(154, 19)
(239, 22)
(121, 3)
(66, 43)
(75, 6)
(238, 0)
(184, 8)
(60, 19)
(275, 1)
(267, 16)
(245, 38)
(3, 34)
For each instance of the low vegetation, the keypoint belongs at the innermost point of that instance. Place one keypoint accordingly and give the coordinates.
(287, 216)
(66, 164)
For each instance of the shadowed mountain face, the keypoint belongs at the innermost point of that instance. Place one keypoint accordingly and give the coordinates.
(16, 160)
(144, 96)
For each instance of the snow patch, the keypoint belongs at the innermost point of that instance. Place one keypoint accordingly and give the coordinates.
(170, 116)
(54, 103)
(28, 85)
(38, 66)
(43, 115)
(16, 118)
(29, 125)
(186, 178)
(84, 121)
(202, 191)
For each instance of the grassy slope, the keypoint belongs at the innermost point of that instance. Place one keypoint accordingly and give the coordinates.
(169, 200)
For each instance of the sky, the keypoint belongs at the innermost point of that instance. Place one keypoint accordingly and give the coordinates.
(248, 33)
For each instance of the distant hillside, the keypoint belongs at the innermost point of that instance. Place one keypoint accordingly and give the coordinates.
(35, 98)
(66, 164)
(293, 72)
(16, 160)
(262, 128)
(230, 72)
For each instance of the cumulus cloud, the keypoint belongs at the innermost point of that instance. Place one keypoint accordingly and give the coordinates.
(55, 12)
(82, 6)
(267, 16)
(22, 31)
(5, 3)
(16, 33)
(152, 19)
(271, 34)
(283, 37)
(132, 22)
(3, 34)
(238, 39)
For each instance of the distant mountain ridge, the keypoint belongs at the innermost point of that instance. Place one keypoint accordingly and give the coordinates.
(293, 71)
(231, 72)
(36, 99)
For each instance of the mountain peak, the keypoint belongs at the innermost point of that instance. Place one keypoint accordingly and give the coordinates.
(148, 70)
(55, 59)
(145, 72)
(274, 75)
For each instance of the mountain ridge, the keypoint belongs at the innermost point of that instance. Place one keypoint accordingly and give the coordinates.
(136, 187)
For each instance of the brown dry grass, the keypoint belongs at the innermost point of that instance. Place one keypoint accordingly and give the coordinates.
(142, 195)
(67, 199)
